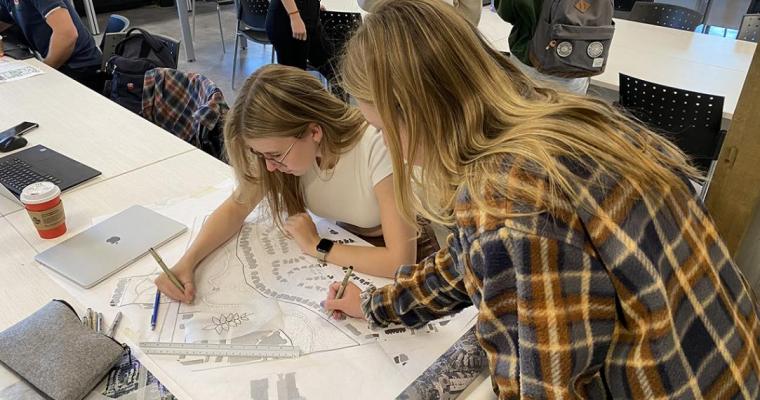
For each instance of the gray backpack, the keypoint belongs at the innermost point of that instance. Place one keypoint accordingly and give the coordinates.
(572, 37)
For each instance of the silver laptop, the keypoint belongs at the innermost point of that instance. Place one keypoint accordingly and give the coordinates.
(103, 249)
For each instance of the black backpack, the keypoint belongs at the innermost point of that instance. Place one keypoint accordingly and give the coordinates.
(132, 58)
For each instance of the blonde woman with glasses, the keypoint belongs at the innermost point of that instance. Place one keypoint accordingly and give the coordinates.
(595, 271)
(292, 143)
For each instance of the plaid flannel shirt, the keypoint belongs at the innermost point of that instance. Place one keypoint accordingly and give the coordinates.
(630, 299)
(184, 103)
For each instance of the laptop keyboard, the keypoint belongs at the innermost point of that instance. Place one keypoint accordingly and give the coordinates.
(16, 175)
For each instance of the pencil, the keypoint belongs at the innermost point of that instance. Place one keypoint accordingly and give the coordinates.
(166, 269)
(112, 329)
(342, 287)
(99, 323)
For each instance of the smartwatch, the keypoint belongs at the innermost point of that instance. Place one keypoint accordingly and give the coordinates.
(323, 247)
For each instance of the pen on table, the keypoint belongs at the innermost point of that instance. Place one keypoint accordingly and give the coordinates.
(99, 323)
(90, 319)
(166, 269)
(342, 287)
(154, 317)
(112, 329)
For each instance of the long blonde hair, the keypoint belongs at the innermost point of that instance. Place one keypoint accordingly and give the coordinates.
(431, 75)
(281, 101)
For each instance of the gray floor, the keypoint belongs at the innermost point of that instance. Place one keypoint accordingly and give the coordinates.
(210, 60)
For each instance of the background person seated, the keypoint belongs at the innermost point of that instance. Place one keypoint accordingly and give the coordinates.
(54, 30)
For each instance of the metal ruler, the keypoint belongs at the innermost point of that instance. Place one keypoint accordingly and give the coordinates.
(220, 349)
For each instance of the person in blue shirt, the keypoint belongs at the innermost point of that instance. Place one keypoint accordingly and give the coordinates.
(56, 32)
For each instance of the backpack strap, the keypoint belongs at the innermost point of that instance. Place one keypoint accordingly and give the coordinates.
(159, 47)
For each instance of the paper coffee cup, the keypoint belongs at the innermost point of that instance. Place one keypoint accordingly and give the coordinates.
(42, 201)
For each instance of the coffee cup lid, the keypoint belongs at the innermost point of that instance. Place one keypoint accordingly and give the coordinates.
(40, 192)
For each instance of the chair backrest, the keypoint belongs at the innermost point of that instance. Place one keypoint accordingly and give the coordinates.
(754, 7)
(338, 27)
(253, 13)
(116, 24)
(173, 45)
(627, 5)
(667, 15)
(750, 28)
(690, 119)
(108, 46)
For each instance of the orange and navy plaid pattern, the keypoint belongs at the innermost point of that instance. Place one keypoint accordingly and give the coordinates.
(627, 297)
(184, 103)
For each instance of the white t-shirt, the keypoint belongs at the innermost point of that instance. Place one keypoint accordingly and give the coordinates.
(347, 192)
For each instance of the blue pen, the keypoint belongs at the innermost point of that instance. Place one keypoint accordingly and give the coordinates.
(154, 317)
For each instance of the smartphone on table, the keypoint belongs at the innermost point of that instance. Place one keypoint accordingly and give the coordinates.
(18, 130)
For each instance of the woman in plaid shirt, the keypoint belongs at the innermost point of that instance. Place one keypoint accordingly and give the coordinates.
(595, 271)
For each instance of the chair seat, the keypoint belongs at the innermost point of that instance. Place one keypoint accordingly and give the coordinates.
(256, 35)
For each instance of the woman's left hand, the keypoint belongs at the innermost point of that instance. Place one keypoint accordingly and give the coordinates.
(303, 230)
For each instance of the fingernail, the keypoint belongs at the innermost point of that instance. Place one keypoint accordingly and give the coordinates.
(341, 317)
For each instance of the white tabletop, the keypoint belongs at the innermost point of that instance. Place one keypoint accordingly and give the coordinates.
(25, 288)
(179, 176)
(83, 125)
(188, 174)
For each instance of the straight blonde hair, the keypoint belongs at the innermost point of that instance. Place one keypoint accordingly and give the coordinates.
(468, 109)
(281, 101)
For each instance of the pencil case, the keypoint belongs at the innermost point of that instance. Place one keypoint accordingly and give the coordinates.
(55, 354)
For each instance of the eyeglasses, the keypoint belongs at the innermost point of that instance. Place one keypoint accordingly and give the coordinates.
(278, 162)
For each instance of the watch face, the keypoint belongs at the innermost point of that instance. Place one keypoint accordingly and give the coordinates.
(325, 245)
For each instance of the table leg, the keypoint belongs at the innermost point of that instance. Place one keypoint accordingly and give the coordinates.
(706, 15)
(184, 26)
(89, 11)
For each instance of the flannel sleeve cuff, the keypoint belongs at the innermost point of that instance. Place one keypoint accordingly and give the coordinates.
(374, 308)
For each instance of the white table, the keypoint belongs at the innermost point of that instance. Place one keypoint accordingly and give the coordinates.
(25, 288)
(83, 125)
(672, 57)
(178, 172)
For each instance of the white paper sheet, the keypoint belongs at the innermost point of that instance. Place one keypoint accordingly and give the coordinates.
(12, 70)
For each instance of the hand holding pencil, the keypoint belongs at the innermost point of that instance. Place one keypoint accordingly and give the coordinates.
(177, 282)
(349, 303)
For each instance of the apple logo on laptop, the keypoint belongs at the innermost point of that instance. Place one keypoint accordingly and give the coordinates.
(113, 240)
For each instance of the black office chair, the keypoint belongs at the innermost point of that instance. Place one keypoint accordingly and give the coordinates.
(667, 15)
(754, 7)
(627, 5)
(623, 8)
(690, 119)
(251, 25)
(750, 28)
(338, 27)
(173, 45)
(116, 24)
